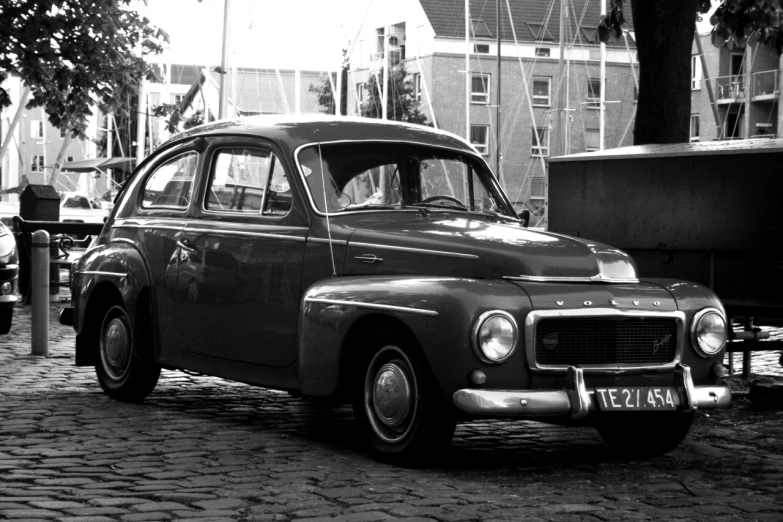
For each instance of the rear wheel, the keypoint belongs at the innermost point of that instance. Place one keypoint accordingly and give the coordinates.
(397, 406)
(644, 434)
(121, 374)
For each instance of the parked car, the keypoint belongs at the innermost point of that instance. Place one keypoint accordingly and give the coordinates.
(81, 208)
(9, 278)
(382, 264)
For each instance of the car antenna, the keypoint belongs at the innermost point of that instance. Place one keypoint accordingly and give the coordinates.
(326, 208)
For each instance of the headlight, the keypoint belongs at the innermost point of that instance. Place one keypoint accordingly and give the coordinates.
(709, 332)
(495, 336)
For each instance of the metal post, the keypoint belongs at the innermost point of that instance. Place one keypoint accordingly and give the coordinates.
(40, 293)
(746, 353)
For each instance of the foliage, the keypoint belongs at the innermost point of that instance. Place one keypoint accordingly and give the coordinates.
(174, 113)
(75, 55)
(401, 102)
(737, 22)
(324, 91)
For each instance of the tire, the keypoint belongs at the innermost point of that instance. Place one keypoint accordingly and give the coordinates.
(6, 317)
(644, 434)
(397, 407)
(122, 375)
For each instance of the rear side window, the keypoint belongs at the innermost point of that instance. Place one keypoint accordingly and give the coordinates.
(171, 185)
(247, 181)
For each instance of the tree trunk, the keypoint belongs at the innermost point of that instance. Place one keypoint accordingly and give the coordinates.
(58, 163)
(664, 36)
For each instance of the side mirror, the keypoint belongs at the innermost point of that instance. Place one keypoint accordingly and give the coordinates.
(524, 215)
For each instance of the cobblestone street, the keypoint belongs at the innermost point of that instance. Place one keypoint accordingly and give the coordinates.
(202, 448)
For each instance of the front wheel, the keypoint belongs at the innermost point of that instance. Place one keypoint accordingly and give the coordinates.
(397, 406)
(6, 317)
(121, 374)
(644, 434)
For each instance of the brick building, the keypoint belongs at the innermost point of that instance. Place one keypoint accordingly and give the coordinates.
(736, 95)
(428, 37)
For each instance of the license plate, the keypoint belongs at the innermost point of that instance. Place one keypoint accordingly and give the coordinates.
(660, 398)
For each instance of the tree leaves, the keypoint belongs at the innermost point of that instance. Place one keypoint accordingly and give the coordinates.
(743, 22)
(75, 55)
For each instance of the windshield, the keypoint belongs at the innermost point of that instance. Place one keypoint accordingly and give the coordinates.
(362, 176)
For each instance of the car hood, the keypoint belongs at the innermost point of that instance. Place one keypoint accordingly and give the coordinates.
(467, 247)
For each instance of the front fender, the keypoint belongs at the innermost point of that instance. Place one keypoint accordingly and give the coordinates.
(439, 311)
(118, 264)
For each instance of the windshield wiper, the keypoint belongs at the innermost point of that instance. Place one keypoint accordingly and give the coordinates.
(494, 214)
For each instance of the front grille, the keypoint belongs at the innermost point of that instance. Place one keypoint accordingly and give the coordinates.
(606, 340)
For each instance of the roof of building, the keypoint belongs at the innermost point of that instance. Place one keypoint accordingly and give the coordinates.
(534, 20)
(271, 91)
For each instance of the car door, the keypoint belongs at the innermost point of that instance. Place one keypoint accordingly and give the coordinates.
(240, 265)
(155, 226)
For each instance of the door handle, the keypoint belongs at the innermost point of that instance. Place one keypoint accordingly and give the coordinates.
(185, 244)
(368, 258)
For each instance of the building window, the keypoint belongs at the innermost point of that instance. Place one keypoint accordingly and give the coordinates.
(417, 87)
(176, 99)
(479, 138)
(537, 188)
(37, 164)
(540, 141)
(695, 73)
(593, 93)
(481, 48)
(542, 52)
(592, 140)
(542, 90)
(62, 133)
(540, 32)
(694, 127)
(36, 129)
(479, 89)
(360, 92)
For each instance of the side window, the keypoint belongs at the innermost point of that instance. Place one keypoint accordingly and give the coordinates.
(171, 185)
(248, 180)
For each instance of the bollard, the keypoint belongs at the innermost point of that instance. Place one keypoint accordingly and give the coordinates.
(39, 281)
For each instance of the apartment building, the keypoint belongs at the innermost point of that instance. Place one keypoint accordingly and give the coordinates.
(735, 92)
(550, 81)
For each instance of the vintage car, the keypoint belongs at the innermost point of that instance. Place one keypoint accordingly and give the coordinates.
(381, 264)
(9, 278)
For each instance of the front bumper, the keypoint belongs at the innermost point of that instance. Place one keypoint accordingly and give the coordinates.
(575, 400)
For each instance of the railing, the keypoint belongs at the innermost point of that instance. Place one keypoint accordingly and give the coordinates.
(730, 87)
(764, 83)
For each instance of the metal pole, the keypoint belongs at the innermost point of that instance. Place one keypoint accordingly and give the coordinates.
(40, 293)
(602, 107)
(223, 65)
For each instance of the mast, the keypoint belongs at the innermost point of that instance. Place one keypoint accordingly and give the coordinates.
(560, 134)
(385, 69)
(602, 106)
(467, 70)
(497, 107)
(223, 65)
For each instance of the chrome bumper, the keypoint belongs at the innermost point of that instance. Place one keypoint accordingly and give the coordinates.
(575, 400)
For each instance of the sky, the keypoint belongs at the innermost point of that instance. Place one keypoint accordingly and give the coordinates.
(304, 34)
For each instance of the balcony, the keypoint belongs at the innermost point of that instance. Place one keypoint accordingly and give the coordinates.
(765, 86)
(730, 89)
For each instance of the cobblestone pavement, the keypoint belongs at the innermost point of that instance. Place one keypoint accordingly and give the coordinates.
(202, 448)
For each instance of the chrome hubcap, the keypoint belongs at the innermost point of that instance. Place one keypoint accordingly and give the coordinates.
(392, 395)
(116, 348)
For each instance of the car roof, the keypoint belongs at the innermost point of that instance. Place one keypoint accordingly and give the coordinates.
(294, 131)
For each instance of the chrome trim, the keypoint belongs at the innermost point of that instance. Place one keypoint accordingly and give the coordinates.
(123, 240)
(243, 233)
(600, 278)
(153, 223)
(100, 273)
(695, 342)
(533, 318)
(575, 401)
(325, 241)
(374, 306)
(483, 318)
(443, 253)
(469, 151)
